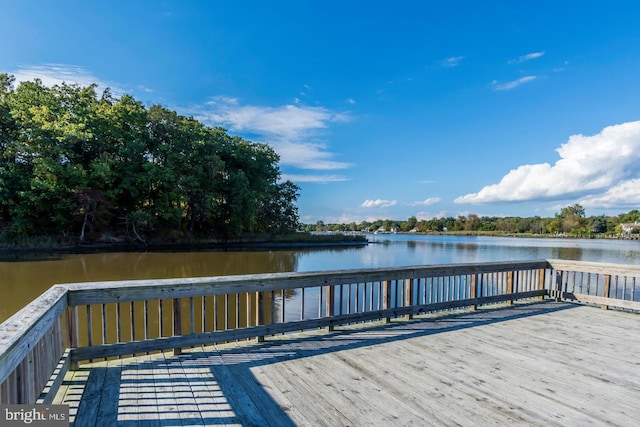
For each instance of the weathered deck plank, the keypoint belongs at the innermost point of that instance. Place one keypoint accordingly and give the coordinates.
(536, 364)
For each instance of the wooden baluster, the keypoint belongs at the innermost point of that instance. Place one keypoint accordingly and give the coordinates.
(118, 323)
(260, 312)
(160, 318)
(386, 298)
(330, 304)
(72, 329)
(237, 311)
(542, 276)
(132, 321)
(283, 299)
(146, 319)
(192, 319)
(473, 291)
(408, 296)
(510, 286)
(273, 307)
(227, 311)
(248, 302)
(89, 326)
(215, 312)
(204, 314)
(558, 286)
(177, 323)
(606, 289)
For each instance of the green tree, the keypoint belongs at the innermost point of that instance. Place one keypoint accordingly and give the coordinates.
(472, 223)
(572, 218)
(112, 164)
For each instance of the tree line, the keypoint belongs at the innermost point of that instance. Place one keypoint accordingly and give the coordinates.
(570, 221)
(79, 167)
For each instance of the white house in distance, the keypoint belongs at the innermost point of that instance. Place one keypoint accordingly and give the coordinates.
(628, 227)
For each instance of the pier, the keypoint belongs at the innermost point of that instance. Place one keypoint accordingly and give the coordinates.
(523, 343)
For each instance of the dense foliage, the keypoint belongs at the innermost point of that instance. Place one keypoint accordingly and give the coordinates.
(79, 167)
(570, 221)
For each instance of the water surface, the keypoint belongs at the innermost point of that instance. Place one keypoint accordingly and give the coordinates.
(22, 280)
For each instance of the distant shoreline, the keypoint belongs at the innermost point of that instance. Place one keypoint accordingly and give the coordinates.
(334, 239)
(182, 247)
(516, 235)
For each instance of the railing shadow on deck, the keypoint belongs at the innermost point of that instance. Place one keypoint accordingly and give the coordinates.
(242, 398)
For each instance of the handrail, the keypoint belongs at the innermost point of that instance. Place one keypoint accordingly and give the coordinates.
(31, 345)
(139, 290)
(84, 321)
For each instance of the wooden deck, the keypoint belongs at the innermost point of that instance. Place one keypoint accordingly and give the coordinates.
(531, 364)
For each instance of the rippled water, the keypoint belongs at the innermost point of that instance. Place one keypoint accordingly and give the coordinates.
(21, 280)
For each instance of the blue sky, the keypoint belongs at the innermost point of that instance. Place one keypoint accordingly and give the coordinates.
(377, 109)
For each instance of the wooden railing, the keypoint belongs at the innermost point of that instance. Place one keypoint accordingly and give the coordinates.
(606, 285)
(93, 321)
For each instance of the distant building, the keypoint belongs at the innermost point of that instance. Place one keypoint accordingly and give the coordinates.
(629, 227)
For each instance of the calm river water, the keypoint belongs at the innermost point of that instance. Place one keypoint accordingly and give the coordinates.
(21, 280)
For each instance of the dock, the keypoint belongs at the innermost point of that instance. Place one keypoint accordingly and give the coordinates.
(529, 364)
(541, 342)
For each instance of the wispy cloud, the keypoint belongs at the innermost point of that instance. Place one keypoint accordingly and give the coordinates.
(56, 74)
(527, 57)
(293, 130)
(422, 216)
(512, 84)
(351, 101)
(426, 202)
(452, 61)
(378, 203)
(319, 179)
(602, 170)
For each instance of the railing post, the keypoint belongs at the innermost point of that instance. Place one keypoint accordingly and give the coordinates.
(260, 312)
(606, 289)
(473, 291)
(386, 298)
(408, 296)
(177, 322)
(330, 304)
(72, 331)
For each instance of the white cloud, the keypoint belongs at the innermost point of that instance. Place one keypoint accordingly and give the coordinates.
(624, 194)
(422, 216)
(291, 129)
(527, 57)
(56, 74)
(453, 61)
(378, 203)
(319, 179)
(603, 169)
(426, 202)
(512, 84)
(351, 101)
